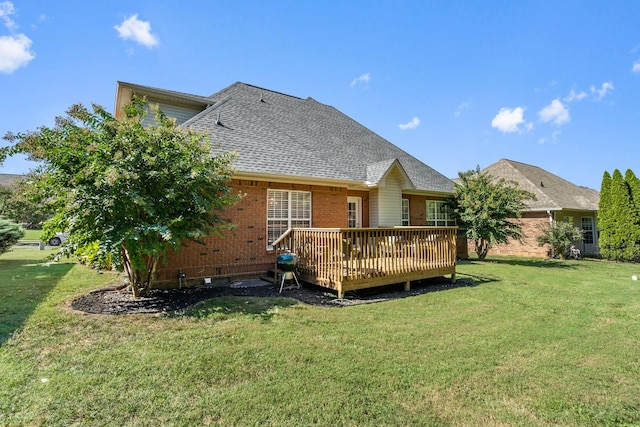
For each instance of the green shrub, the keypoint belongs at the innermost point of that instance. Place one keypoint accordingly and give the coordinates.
(10, 233)
(91, 255)
(559, 235)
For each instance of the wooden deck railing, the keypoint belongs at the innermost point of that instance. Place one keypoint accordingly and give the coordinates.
(355, 258)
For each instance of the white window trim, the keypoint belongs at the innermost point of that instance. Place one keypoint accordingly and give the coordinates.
(408, 212)
(593, 230)
(358, 204)
(289, 217)
(448, 220)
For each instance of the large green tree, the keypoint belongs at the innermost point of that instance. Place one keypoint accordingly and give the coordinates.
(22, 202)
(487, 208)
(138, 191)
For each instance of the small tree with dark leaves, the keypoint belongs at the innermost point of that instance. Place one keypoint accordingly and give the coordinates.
(487, 208)
(138, 191)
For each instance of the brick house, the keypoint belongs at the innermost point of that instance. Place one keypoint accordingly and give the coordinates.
(556, 200)
(305, 165)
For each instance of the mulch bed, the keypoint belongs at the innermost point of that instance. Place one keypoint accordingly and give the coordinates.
(160, 301)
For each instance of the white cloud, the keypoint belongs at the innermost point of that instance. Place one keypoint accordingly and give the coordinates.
(361, 79)
(139, 31)
(461, 108)
(410, 125)
(554, 137)
(555, 112)
(604, 89)
(6, 9)
(14, 52)
(509, 120)
(636, 67)
(575, 96)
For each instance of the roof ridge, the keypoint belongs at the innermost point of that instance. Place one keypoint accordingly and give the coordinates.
(238, 83)
(549, 173)
(526, 178)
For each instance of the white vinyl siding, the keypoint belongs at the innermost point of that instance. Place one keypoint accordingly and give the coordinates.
(180, 113)
(385, 207)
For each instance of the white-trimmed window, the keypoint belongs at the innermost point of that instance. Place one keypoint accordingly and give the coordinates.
(405, 212)
(587, 230)
(286, 209)
(439, 214)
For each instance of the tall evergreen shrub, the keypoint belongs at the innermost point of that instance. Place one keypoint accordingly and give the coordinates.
(619, 219)
(10, 233)
(605, 223)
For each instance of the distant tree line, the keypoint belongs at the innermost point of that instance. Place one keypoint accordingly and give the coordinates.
(619, 216)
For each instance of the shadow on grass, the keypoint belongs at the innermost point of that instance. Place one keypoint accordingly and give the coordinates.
(24, 283)
(260, 303)
(224, 307)
(525, 262)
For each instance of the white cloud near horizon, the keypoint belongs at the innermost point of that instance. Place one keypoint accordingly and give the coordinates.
(414, 123)
(636, 67)
(139, 31)
(604, 89)
(364, 78)
(555, 113)
(15, 49)
(509, 120)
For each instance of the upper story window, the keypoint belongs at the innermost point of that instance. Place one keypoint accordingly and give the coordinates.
(439, 214)
(405, 212)
(286, 209)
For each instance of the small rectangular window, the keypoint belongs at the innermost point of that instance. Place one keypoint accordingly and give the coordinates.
(405, 213)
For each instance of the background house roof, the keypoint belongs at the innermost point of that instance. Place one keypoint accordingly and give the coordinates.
(279, 134)
(7, 178)
(552, 192)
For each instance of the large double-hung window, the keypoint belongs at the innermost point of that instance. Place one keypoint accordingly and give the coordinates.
(439, 214)
(286, 209)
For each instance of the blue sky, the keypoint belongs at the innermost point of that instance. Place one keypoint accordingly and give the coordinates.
(460, 84)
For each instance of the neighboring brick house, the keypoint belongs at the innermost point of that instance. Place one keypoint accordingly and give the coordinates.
(300, 164)
(556, 200)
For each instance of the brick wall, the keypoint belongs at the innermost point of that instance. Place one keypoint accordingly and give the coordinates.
(243, 251)
(529, 247)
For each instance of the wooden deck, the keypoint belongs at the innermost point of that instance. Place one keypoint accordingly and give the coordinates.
(345, 259)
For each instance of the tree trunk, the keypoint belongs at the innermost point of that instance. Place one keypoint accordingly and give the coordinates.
(482, 248)
(140, 280)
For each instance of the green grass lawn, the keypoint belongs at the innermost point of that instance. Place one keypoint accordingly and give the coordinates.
(32, 235)
(532, 343)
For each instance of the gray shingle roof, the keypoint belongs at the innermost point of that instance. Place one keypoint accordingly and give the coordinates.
(7, 178)
(552, 192)
(278, 134)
